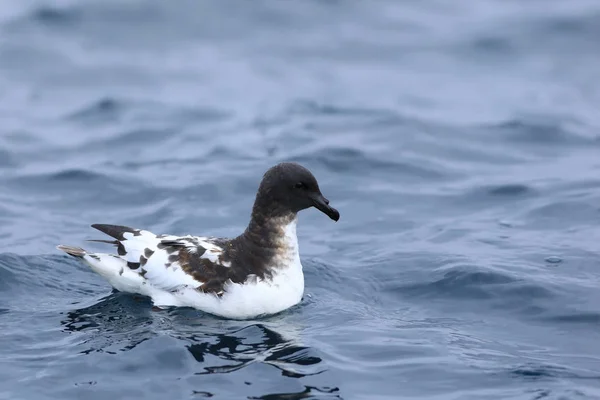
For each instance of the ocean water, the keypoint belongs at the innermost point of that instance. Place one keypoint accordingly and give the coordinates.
(460, 141)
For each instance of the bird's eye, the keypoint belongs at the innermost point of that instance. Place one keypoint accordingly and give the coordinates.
(300, 185)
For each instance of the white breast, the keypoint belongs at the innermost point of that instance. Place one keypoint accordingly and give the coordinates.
(257, 297)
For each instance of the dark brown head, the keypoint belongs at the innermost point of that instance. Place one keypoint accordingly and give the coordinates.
(289, 187)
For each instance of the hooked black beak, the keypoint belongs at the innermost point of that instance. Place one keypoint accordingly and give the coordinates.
(322, 204)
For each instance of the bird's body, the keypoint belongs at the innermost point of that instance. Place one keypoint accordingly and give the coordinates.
(254, 274)
(194, 271)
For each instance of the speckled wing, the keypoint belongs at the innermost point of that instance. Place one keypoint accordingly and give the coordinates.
(169, 262)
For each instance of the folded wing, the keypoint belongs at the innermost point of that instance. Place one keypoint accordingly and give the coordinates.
(169, 262)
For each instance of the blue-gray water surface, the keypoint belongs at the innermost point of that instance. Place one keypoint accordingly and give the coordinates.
(460, 141)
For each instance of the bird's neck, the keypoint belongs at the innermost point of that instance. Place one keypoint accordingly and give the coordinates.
(272, 228)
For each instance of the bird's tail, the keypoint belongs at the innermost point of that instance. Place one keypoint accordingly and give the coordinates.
(72, 250)
(110, 266)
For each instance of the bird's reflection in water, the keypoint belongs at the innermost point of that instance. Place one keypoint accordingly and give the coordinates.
(121, 322)
(309, 392)
(117, 322)
(255, 343)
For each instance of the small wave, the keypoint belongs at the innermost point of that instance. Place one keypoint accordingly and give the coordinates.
(310, 107)
(103, 110)
(7, 276)
(133, 138)
(505, 291)
(463, 277)
(544, 372)
(470, 284)
(75, 181)
(48, 17)
(77, 175)
(77, 185)
(53, 16)
(492, 45)
(551, 215)
(111, 109)
(63, 177)
(510, 189)
(537, 131)
(484, 195)
(347, 160)
(576, 318)
(39, 274)
(576, 31)
(7, 159)
(323, 275)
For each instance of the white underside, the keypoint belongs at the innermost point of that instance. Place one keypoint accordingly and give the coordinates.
(239, 301)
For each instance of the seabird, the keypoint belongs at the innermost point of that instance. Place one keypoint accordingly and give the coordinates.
(255, 274)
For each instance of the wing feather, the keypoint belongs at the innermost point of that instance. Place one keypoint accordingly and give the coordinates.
(167, 262)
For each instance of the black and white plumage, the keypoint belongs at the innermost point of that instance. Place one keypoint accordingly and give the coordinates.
(256, 273)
